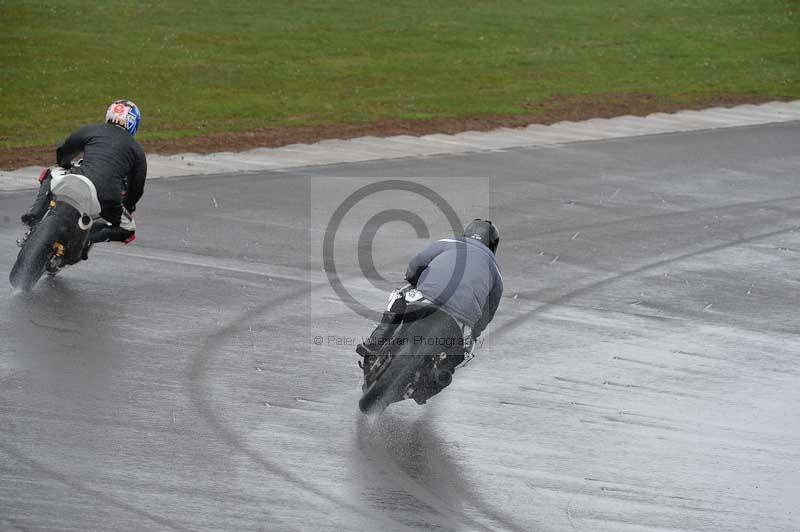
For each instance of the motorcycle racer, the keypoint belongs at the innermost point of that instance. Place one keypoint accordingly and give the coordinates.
(113, 161)
(462, 303)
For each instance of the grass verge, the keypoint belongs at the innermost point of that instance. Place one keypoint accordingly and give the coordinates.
(207, 68)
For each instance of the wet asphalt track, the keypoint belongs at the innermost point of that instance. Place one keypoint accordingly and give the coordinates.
(642, 374)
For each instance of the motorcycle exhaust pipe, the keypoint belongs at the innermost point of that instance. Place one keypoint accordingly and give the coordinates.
(85, 222)
(442, 377)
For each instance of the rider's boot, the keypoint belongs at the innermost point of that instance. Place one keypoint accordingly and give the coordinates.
(125, 232)
(40, 204)
(382, 334)
(110, 233)
(371, 347)
(390, 320)
(106, 233)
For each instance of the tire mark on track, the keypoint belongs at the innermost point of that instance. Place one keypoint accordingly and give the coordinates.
(512, 324)
(518, 320)
(206, 410)
(199, 367)
(79, 486)
(662, 216)
(233, 440)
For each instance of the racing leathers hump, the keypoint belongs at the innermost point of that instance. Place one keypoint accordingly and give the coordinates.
(474, 295)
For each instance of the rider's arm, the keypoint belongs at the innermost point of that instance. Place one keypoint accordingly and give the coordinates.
(136, 182)
(71, 147)
(421, 261)
(492, 302)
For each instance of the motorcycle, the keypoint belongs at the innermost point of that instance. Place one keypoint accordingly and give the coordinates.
(417, 362)
(61, 237)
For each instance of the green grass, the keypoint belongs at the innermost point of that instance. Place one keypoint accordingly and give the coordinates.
(205, 66)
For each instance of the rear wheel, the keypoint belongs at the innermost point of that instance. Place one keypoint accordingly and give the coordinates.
(40, 247)
(388, 387)
(417, 370)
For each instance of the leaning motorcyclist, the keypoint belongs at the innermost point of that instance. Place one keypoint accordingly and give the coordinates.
(462, 303)
(113, 161)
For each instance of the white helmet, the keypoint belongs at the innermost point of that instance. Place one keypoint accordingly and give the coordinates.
(125, 114)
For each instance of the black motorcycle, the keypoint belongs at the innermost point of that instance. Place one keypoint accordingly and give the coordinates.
(418, 361)
(61, 237)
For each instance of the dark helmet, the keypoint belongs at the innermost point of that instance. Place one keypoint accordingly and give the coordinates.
(484, 231)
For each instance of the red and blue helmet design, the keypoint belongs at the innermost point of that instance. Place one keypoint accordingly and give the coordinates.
(125, 114)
